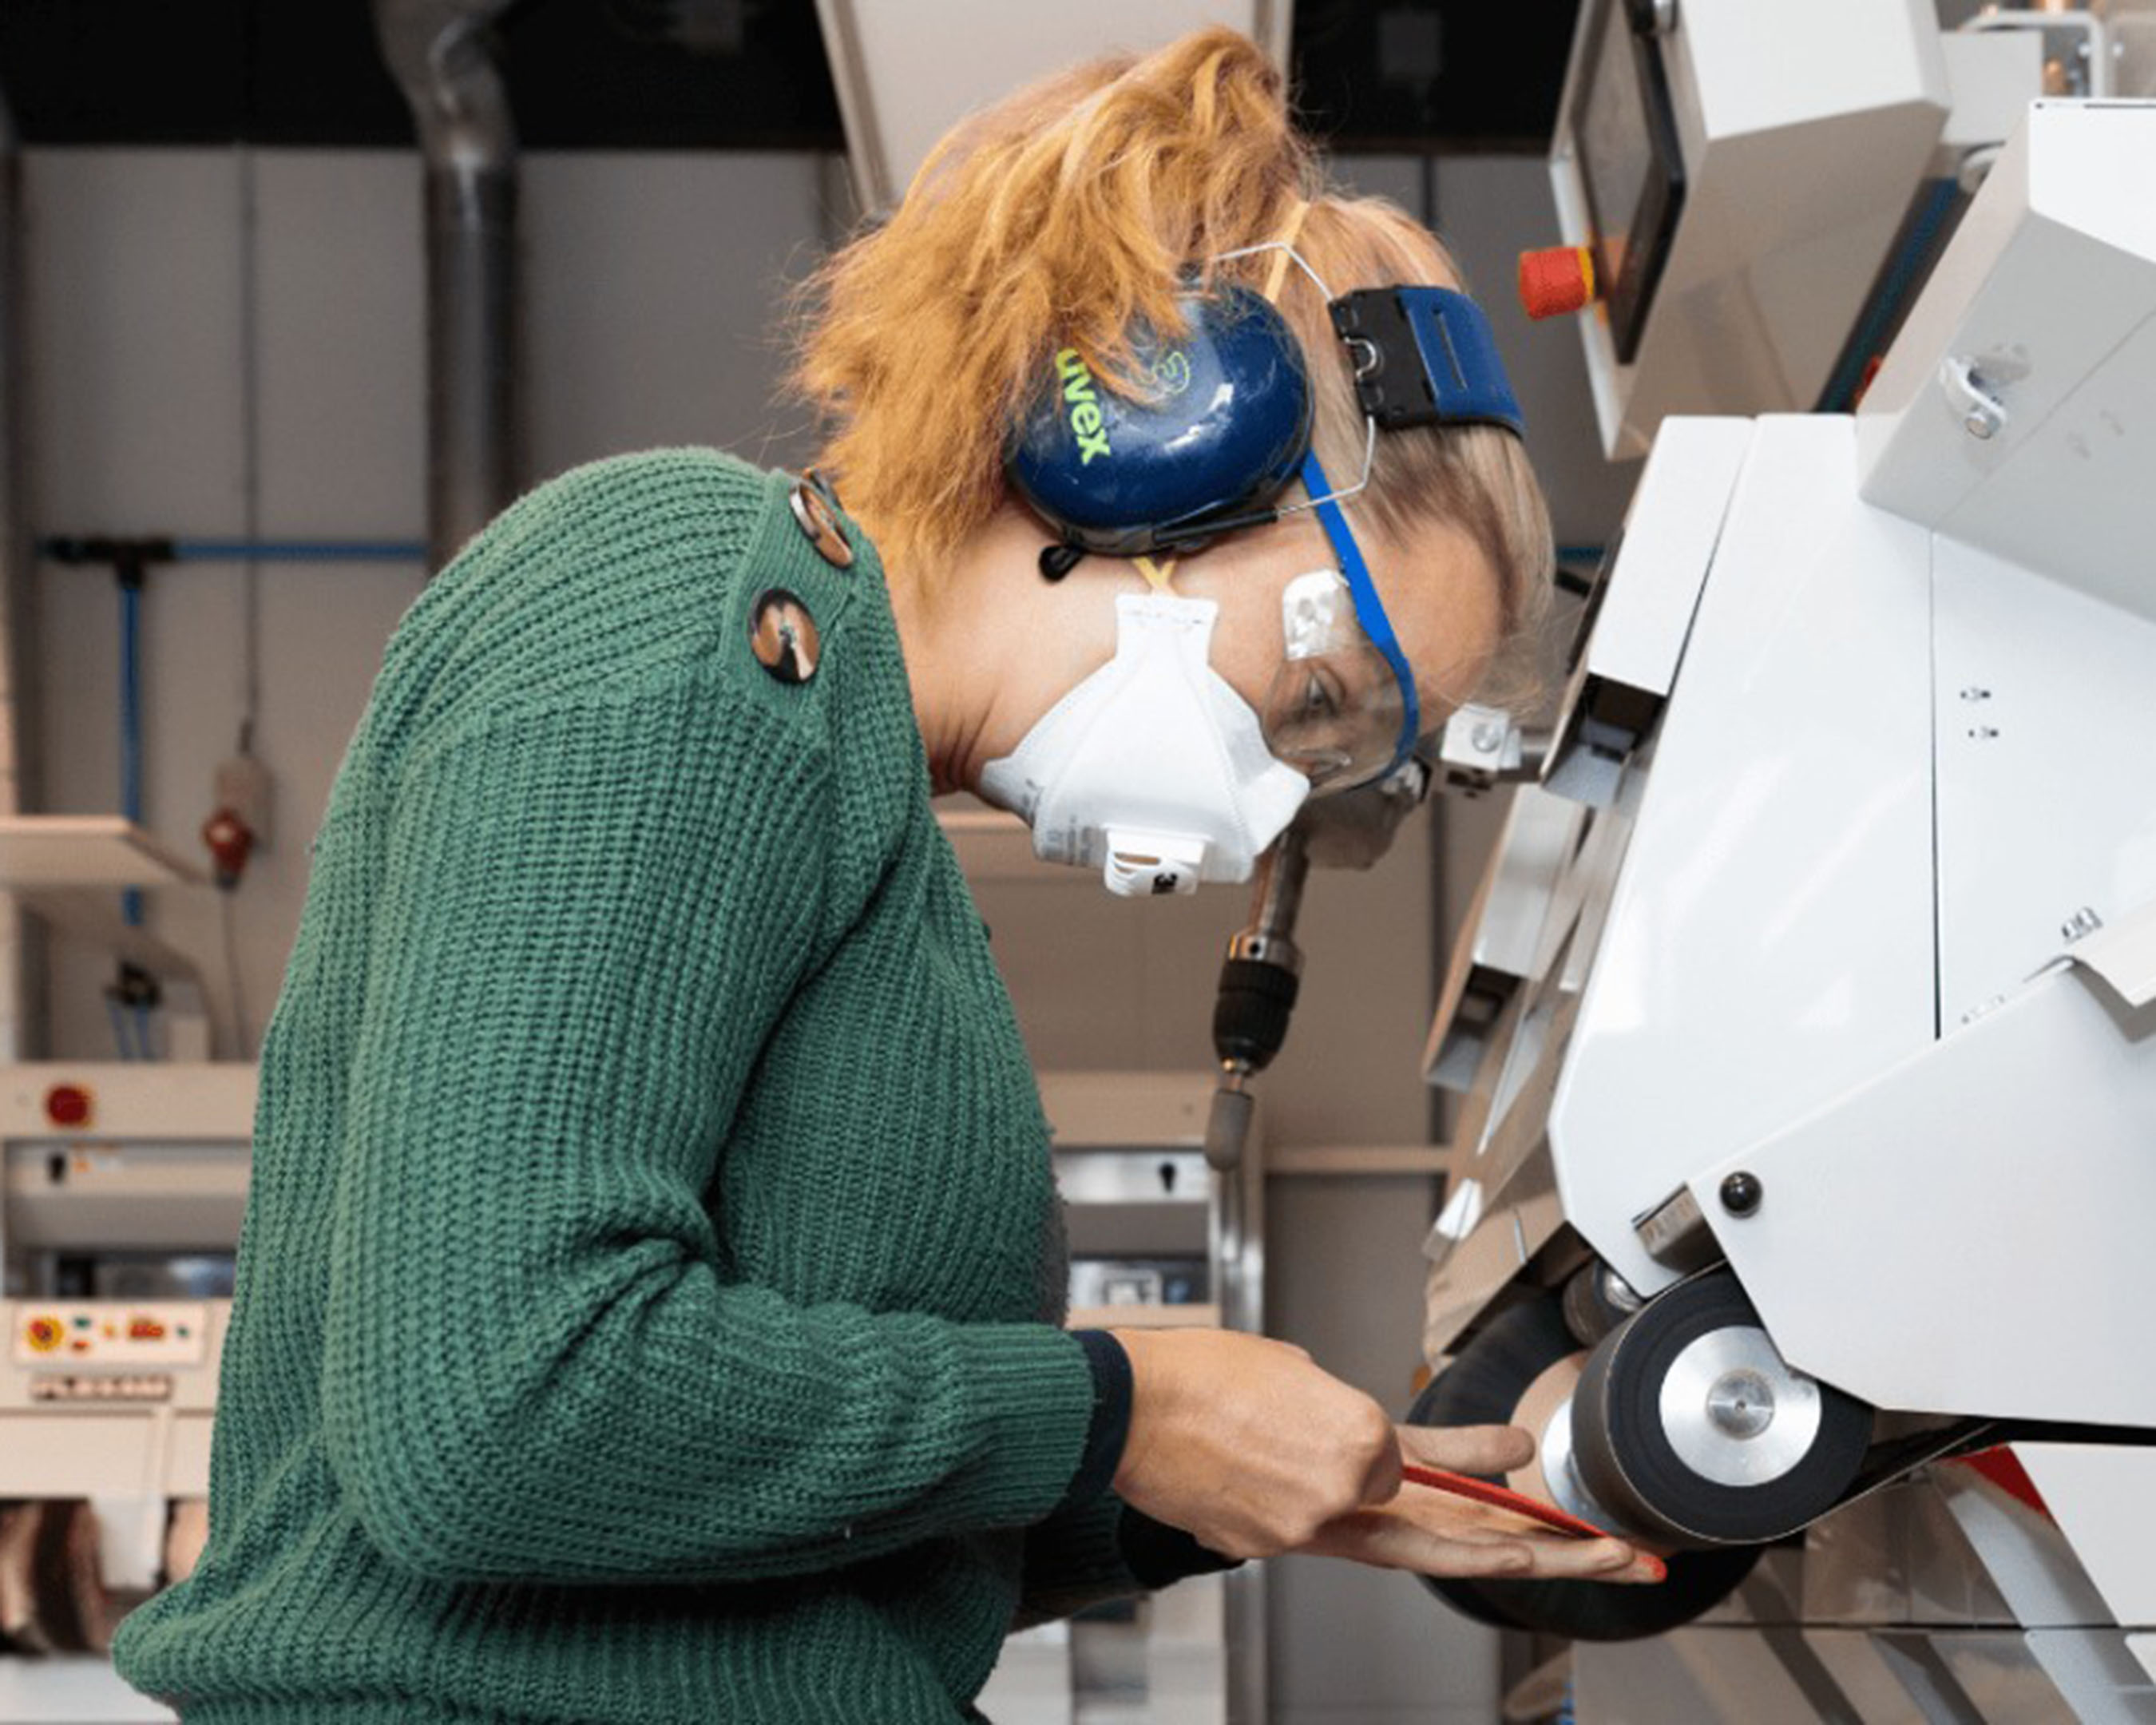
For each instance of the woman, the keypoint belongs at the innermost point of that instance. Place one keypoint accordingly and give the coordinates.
(648, 1307)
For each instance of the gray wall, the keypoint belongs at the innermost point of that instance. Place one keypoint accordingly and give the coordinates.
(651, 286)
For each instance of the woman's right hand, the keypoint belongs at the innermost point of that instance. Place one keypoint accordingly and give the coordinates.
(1245, 1444)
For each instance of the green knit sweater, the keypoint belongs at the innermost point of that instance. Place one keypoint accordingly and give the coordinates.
(647, 1302)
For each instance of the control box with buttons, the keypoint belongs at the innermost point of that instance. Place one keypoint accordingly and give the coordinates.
(111, 1333)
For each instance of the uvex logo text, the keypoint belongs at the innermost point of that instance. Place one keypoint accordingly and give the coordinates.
(1085, 406)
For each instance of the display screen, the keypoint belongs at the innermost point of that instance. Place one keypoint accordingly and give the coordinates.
(1624, 137)
(1614, 155)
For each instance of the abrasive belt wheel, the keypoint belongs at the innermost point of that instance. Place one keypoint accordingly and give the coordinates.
(1689, 1425)
(1482, 1386)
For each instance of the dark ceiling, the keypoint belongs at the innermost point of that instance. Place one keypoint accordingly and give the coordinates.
(693, 73)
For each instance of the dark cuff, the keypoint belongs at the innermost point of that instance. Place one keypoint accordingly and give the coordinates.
(1110, 1428)
(1158, 1555)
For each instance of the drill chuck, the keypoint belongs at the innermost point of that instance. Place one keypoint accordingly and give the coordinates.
(1251, 1013)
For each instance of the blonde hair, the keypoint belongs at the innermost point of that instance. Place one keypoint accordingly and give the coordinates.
(1073, 211)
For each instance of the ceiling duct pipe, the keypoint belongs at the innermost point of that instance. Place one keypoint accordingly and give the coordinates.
(19, 618)
(442, 53)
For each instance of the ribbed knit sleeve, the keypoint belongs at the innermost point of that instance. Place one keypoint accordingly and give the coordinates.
(1102, 1549)
(536, 1364)
(1075, 1559)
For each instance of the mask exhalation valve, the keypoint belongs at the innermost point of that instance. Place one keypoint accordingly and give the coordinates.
(1141, 865)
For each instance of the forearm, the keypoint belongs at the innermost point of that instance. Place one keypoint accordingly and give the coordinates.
(677, 1427)
(1095, 1547)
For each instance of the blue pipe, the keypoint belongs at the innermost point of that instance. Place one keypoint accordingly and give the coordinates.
(299, 551)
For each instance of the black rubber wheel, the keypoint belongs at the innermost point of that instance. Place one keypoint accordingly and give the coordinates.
(1624, 1451)
(1483, 1387)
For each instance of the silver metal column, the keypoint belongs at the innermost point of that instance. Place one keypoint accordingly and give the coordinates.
(441, 53)
(1238, 1269)
(21, 1016)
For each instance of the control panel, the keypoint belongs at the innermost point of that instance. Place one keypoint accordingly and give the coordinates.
(111, 1333)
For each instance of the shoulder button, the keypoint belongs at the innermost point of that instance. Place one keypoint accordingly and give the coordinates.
(818, 525)
(783, 636)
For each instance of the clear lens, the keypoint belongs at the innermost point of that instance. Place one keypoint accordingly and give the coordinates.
(1334, 709)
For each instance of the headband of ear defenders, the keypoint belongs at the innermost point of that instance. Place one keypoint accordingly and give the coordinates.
(1425, 356)
(1225, 422)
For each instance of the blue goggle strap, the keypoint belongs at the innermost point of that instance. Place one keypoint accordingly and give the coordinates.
(1369, 610)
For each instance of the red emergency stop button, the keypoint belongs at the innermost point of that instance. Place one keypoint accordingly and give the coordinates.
(45, 1334)
(68, 1105)
(1557, 280)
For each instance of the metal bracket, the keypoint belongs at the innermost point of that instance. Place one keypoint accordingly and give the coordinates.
(1483, 746)
(1975, 403)
(1676, 1234)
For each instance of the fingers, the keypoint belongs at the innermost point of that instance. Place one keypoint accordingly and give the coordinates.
(1591, 1560)
(1386, 1540)
(1468, 1449)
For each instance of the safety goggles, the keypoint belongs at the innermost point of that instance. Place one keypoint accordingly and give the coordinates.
(1342, 708)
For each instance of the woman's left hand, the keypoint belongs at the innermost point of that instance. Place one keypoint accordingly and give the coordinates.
(1435, 1533)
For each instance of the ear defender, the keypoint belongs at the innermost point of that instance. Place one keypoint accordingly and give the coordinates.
(1225, 422)
(1220, 430)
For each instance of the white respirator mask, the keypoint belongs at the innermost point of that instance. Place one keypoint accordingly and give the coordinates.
(1152, 769)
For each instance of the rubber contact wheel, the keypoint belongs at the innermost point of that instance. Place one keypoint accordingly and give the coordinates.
(1482, 1386)
(1690, 1427)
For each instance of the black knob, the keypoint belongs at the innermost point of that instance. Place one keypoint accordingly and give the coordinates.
(1741, 1194)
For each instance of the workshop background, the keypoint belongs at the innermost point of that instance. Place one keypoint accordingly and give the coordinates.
(222, 319)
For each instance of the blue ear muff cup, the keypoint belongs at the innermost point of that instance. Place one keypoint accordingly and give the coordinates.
(1221, 430)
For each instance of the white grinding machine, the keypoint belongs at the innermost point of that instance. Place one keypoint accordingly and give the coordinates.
(1805, 1026)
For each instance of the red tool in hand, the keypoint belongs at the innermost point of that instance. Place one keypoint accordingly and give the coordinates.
(1518, 1503)
(1460, 1485)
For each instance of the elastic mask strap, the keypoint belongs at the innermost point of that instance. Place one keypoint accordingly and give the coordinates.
(1369, 611)
(1158, 576)
(1291, 231)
